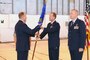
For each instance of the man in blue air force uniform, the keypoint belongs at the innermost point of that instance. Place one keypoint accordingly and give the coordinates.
(76, 36)
(53, 29)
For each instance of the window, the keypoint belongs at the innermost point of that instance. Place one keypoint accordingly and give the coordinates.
(5, 6)
(34, 7)
(18, 6)
(48, 7)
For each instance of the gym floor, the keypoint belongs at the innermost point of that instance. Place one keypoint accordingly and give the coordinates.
(7, 51)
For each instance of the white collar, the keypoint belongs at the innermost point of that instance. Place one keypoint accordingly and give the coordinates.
(52, 22)
(74, 20)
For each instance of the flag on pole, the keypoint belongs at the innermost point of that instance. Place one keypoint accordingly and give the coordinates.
(42, 14)
(40, 23)
(87, 21)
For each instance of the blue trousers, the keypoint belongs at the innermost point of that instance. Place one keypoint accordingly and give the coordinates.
(22, 55)
(76, 55)
(54, 53)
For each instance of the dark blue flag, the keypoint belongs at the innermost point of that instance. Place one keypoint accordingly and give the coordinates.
(42, 15)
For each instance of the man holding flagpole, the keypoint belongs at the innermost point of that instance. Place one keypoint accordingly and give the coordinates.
(40, 24)
(53, 31)
(23, 32)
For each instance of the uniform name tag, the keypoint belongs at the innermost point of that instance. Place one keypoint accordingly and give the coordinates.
(76, 27)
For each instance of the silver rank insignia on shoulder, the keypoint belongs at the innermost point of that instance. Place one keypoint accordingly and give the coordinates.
(76, 26)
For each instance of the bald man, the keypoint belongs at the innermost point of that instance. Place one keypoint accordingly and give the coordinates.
(76, 36)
